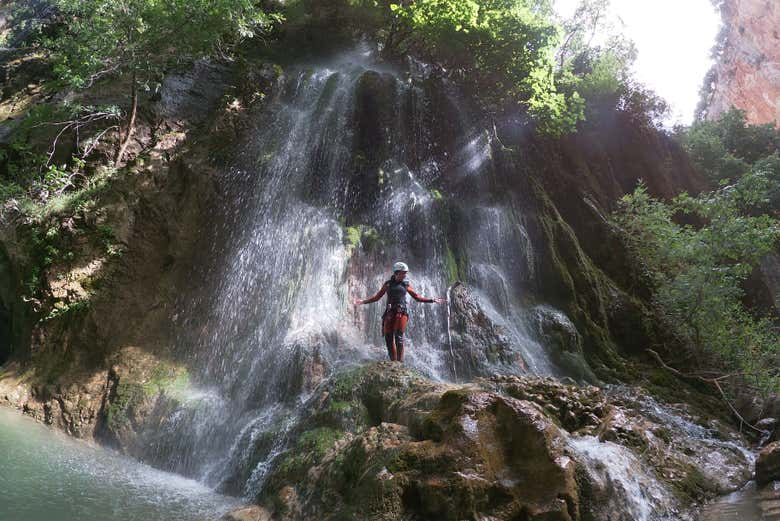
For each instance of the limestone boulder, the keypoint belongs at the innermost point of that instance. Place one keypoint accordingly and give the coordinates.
(768, 464)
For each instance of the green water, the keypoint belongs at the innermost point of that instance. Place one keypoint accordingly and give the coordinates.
(47, 476)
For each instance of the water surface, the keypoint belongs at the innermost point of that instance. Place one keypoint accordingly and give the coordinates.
(748, 504)
(47, 476)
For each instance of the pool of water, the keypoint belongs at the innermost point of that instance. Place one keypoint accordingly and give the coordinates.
(747, 504)
(47, 476)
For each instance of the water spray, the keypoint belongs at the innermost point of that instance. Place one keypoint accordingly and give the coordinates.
(449, 331)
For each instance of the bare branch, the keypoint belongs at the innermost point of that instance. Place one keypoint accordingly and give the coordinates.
(94, 77)
(711, 381)
(96, 140)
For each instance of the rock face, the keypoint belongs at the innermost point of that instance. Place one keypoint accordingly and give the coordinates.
(747, 74)
(381, 442)
(478, 341)
(251, 513)
(768, 464)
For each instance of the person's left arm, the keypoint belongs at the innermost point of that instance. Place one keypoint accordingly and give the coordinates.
(418, 298)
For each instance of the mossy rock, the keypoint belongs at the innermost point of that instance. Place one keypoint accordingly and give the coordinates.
(361, 237)
(126, 397)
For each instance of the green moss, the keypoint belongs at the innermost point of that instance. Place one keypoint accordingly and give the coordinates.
(361, 236)
(345, 516)
(168, 379)
(693, 487)
(317, 441)
(344, 385)
(309, 451)
(451, 267)
(292, 467)
(662, 378)
(438, 420)
(340, 407)
(352, 236)
(127, 396)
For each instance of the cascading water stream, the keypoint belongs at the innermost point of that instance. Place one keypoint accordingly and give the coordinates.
(347, 153)
(344, 173)
(449, 329)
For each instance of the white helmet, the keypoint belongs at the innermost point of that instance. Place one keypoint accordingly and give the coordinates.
(400, 266)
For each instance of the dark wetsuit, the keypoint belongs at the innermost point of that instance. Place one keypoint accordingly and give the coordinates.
(396, 314)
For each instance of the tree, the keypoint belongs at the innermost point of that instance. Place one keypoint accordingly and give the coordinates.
(504, 48)
(137, 39)
(699, 271)
(600, 73)
(728, 147)
(580, 29)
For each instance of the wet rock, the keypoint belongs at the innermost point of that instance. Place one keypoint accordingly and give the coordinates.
(556, 329)
(466, 452)
(477, 342)
(391, 444)
(374, 121)
(575, 408)
(768, 464)
(250, 513)
(564, 343)
(770, 427)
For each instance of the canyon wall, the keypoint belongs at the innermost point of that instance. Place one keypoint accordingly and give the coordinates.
(747, 72)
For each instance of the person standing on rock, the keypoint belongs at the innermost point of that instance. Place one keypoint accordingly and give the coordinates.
(396, 314)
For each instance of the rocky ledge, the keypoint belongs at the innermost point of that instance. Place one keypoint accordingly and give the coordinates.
(382, 442)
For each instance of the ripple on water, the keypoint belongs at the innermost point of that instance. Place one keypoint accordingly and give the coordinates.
(44, 475)
(748, 504)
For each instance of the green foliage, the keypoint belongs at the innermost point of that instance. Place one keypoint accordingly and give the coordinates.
(504, 48)
(28, 170)
(139, 39)
(769, 167)
(22, 160)
(101, 37)
(361, 235)
(728, 148)
(109, 241)
(63, 308)
(699, 270)
(23, 22)
(601, 74)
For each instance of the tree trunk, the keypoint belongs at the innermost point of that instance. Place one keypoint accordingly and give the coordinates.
(130, 126)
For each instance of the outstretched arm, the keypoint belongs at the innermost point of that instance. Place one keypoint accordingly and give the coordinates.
(374, 298)
(418, 298)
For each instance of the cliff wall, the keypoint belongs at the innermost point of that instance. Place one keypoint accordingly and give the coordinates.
(747, 72)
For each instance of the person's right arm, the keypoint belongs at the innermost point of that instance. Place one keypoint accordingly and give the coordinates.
(374, 298)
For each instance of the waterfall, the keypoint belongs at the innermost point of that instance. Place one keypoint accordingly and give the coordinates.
(347, 153)
(631, 492)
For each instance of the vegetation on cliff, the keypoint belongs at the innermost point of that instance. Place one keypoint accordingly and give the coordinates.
(728, 148)
(514, 53)
(701, 250)
(385, 429)
(698, 271)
